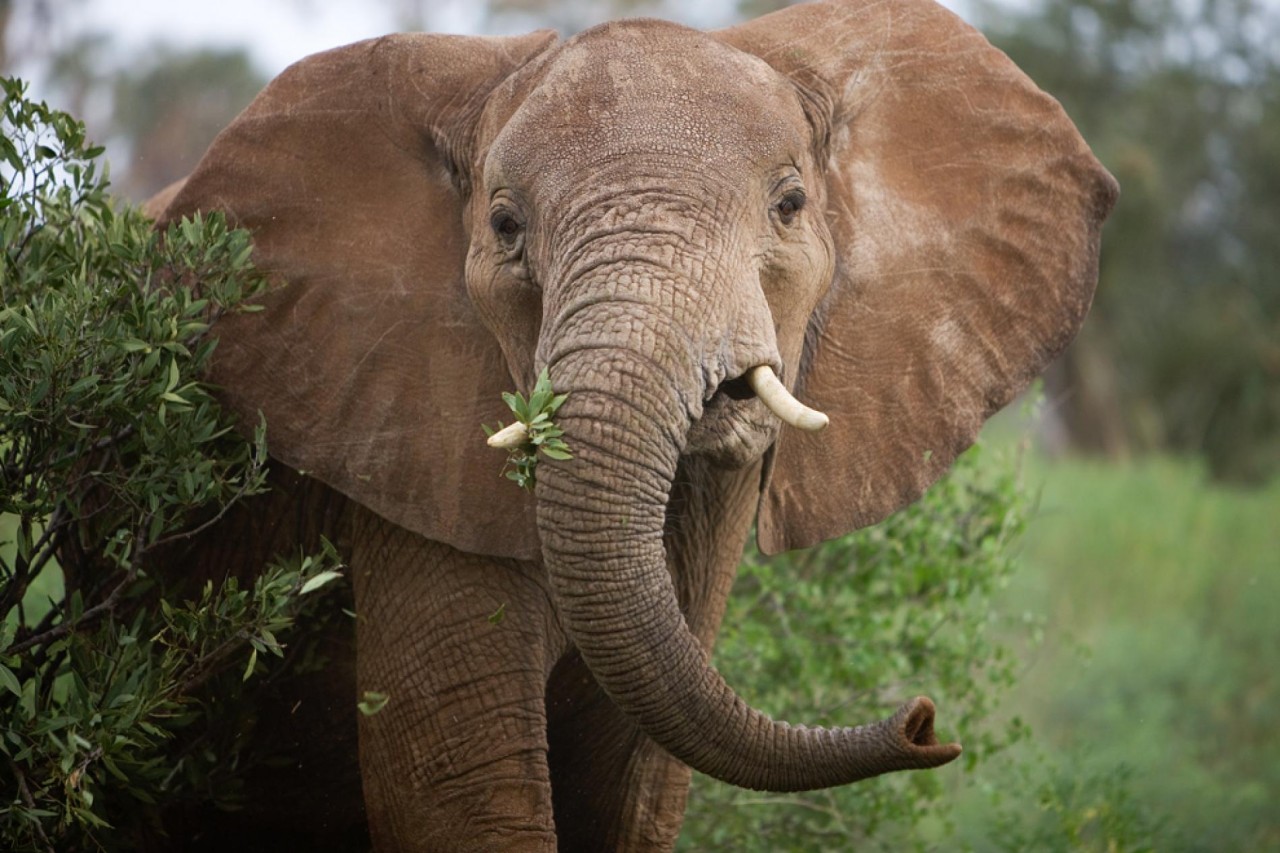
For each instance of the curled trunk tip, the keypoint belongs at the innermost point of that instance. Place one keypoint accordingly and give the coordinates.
(778, 400)
(914, 725)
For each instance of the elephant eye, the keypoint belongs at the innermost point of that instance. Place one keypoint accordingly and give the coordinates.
(505, 225)
(789, 206)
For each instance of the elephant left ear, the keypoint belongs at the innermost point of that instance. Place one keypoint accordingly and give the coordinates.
(966, 213)
(372, 367)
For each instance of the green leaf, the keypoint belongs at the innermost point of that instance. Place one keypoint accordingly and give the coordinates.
(174, 376)
(543, 434)
(10, 681)
(253, 662)
(372, 702)
(114, 769)
(496, 617)
(319, 580)
(84, 383)
(269, 637)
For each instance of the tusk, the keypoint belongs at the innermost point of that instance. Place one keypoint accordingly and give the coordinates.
(510, 437)
(778, 400)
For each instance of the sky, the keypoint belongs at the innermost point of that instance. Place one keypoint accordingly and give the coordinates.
(276, 32)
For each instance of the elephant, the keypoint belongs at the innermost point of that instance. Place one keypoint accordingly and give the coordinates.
(713, 243)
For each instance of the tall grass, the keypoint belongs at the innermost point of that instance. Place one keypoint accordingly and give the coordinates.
(1156, 692)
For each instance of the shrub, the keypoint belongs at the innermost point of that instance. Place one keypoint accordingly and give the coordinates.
(109, 446)
(845, 631)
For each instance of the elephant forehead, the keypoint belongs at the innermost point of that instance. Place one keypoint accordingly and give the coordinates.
(650, 88)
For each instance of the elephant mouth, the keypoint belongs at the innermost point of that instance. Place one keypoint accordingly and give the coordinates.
(736, 389)
(735, 428)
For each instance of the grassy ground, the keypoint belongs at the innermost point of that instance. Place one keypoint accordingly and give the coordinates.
(1156, 692)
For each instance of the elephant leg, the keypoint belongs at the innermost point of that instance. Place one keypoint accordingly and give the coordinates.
(462, 647)
(614, 788)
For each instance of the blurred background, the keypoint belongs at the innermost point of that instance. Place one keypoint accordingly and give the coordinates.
(1150, 571)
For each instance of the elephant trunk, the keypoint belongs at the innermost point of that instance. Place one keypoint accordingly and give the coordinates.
(601, 517)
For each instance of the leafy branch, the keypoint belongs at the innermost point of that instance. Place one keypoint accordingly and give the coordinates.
(533, 432)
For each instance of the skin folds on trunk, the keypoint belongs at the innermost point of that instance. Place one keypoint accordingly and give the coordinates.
(601, 518)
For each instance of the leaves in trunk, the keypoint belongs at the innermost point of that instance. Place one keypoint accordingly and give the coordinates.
(542, 433)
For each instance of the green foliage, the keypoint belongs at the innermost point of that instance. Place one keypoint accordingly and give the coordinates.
(1161, 678)
(1153, 694)
(1072, 809)
(542, 435)
(372, 702)
(114, 699)
(844, 632)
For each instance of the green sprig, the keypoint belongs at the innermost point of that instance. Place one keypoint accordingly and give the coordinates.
(543, 434)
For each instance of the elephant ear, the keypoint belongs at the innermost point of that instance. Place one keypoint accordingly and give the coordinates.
(370, 364)
(966, 212)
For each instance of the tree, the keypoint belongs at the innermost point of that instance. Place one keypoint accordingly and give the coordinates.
(163, 113)
(1180, 101)
(167, 112)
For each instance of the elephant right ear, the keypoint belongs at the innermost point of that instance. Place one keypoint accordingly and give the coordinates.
(965, 211)
(369, 362)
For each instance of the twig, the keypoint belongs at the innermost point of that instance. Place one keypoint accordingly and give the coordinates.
(48, 544)
(25, 570)
(209, 665)
(16, 255)
(30, 466)
(94, 613)
(240, 495)
(30, 803)
(108, 604)
(49, 618)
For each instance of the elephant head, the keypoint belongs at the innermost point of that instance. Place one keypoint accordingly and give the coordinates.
(866, 199)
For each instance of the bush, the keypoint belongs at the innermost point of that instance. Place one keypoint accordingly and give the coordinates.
(109, 446)
(845, 631)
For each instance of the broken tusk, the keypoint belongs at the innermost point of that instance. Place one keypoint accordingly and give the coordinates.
(510, 437)
(778, 400)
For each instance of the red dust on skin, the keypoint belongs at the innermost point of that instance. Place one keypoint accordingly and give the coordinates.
(449, 215)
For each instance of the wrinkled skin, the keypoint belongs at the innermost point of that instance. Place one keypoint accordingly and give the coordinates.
(867, 198)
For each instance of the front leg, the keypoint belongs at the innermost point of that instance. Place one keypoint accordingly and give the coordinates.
(462, 646)
(614, 788)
